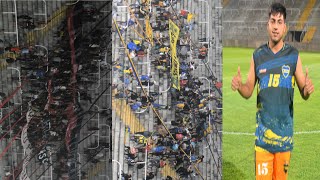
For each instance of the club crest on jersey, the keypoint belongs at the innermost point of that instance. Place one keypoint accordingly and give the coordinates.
(285, 70)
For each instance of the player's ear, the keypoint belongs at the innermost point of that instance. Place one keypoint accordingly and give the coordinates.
(285, 28)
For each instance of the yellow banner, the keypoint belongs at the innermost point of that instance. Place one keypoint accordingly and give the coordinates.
(149, 32)
(175, 66)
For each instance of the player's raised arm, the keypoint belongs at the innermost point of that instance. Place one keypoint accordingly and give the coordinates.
(244, 89)
(304, 82)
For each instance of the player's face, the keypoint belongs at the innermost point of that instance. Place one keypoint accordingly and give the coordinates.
(276, 27)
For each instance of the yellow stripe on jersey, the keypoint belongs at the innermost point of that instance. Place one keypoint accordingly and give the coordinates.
(259, 149)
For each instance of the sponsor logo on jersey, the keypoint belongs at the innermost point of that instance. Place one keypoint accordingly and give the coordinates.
(261, 71)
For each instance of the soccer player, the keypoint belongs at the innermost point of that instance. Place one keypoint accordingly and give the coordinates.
(275, 67)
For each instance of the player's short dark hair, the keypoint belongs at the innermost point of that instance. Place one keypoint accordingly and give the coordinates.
(278, 8)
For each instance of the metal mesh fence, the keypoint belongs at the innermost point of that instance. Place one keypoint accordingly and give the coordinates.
(55, 105)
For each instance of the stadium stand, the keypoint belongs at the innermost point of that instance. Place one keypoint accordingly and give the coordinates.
(244, 23)
(55, 89)
(127, 74)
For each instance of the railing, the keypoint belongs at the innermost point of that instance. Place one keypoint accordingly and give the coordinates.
(119, 172)
(79, 171)
(145, 162)
(73, 3)
(46, 55)
(98, 74)
(105, 64)
(97, 133)
(209, 87)
(207, 22)
(43, 14)
(17, 100)
(106, 162)
(16, 32)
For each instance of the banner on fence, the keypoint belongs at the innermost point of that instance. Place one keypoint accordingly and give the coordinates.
(174, 35)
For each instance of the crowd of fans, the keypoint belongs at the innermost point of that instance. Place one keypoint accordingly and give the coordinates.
(56, 83)
(191, 105)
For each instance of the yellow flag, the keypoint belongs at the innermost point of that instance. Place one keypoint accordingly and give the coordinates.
(174, 32)
(149, 32)
(189, 17)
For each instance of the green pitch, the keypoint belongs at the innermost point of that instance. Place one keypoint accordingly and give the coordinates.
(239, 116)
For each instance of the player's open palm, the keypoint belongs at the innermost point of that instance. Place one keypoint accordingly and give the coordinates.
(236, 81)
(308, 88)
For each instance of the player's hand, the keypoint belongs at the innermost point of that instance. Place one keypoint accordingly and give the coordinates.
(236, 81)
(308, 87)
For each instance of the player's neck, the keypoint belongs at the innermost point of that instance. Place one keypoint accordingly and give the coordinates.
(275, 47)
